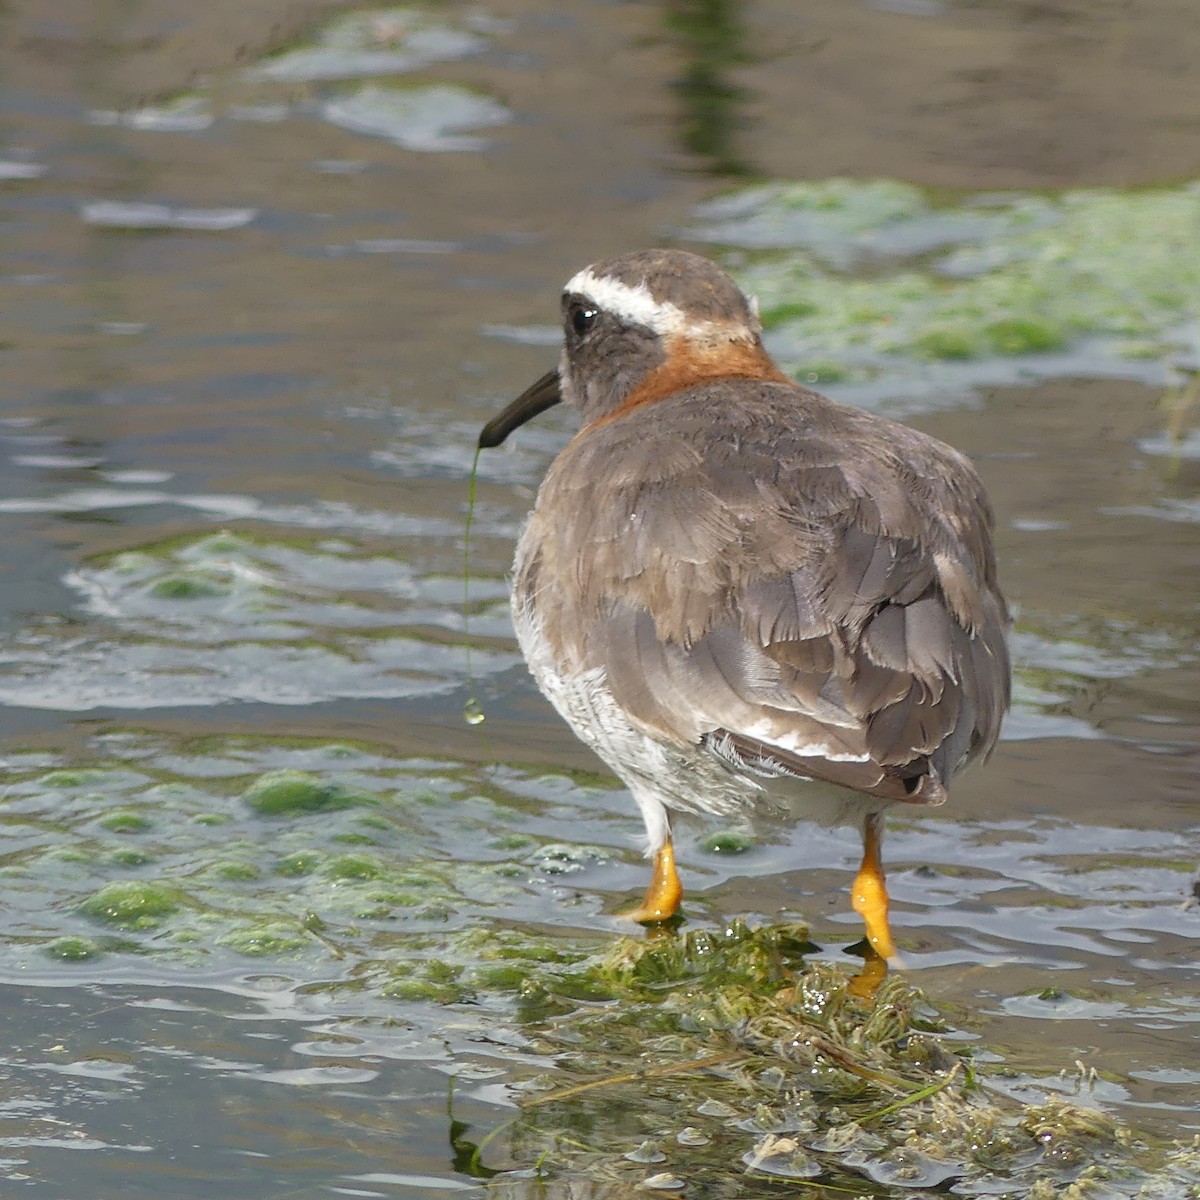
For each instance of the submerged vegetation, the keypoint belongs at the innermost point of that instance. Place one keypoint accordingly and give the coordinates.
(728, 1061)
(724, 1065)
(873, 283)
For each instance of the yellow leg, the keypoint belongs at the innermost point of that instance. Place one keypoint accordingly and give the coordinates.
(869, 894)
(866, 982)
(661, 901)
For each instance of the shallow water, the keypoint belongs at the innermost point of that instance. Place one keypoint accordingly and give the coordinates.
(258, 310)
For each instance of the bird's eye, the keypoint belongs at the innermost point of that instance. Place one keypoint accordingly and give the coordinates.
(581, 317)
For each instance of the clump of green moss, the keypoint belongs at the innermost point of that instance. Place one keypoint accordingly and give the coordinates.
(435, 981)
(125, 821)
(236, 872)
(738, 1060)
(288, 792)
(132, 562)
(132, 904)
(511, 841)
(1025, 335)
(219, 545)
(68, 779)
(195, 584)
(130, 856)
(354, 866)
(350, 838)
(72, 949)
(885, 283)
(302, 862)
(341, 750)
(727, 841)
(267, 939)
(948, 339)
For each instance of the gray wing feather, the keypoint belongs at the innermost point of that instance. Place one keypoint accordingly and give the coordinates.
(817, 577)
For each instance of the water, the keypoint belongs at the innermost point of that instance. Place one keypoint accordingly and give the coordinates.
(250, 343)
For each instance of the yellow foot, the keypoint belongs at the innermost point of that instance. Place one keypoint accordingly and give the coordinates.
(866, 983)
(661, 901)
(869, 894)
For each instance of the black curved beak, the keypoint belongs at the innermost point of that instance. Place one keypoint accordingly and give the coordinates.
(533, 400)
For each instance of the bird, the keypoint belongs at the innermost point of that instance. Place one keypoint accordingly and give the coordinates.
(731, 586)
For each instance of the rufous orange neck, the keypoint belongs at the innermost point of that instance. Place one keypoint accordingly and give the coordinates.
(689, 364)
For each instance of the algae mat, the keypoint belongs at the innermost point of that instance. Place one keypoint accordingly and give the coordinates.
(903, 298)
(724, 1061)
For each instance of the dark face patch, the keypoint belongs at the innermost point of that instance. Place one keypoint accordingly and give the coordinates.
(604, 358)
(658, 319)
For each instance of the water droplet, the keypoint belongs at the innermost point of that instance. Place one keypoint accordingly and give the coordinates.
(473, 712)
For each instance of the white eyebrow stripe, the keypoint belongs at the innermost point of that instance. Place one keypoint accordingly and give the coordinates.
(637, 305)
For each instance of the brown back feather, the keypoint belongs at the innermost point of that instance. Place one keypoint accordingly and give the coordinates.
(779, 568)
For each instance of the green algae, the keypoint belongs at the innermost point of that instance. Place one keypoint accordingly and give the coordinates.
(948, 339)
(858, 278)
(409, 922)
(268, 939)
(1025, 335)
(132, 562)
(289, 793)
(134, 904)
(354, 866)
(125, 821)
(72, 949)
(501, 977)
(435, 982)
(727, 841)
(216, 545)
(269, 618)
(69, 779)
(830, 216)
(185, 568)
(417, 988)
(70, 854)
(511, 841)
(742, 1062)
(341, 751)
(205, 838)
(190, 585)
(236, 872)
(127, 856)
(471, 965)
(302, 862)
(374, 821)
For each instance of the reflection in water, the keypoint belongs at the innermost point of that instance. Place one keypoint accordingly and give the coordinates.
(465, 1155)
(711, 37)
